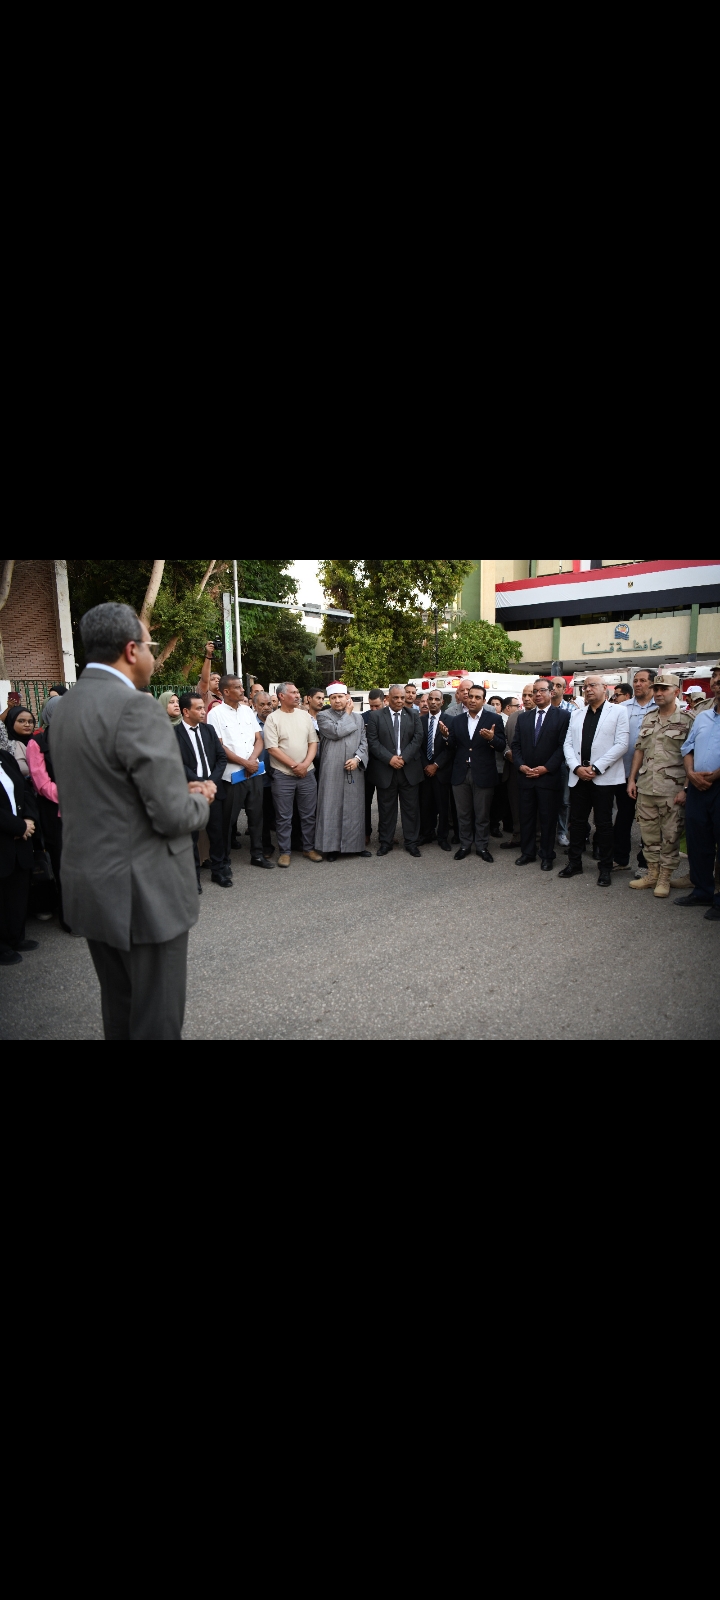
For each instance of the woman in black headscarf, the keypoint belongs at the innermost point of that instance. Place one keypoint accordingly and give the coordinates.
(20, 724)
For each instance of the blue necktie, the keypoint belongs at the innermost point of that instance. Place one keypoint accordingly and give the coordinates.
(430, 740)
(539, 726)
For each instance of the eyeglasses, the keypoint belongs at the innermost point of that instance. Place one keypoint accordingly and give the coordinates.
(152, 644)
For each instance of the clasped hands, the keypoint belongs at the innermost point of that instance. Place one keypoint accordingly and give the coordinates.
(534, 772)
(205, 787)
(702, 780)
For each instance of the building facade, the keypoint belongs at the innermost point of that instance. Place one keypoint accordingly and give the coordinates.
(576, 615)
(35, 624)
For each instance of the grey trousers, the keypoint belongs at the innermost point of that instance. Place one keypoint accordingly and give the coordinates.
(469, 797)
(284, 789)
(142, 989)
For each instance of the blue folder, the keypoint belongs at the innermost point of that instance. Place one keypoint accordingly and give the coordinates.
(239, 774)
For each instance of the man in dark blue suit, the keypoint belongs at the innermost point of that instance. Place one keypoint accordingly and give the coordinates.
(437, 765)
(537, 758)
(376, 698)
(203, 757)
(473, 737)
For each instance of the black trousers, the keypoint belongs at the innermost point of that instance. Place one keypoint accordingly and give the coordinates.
(235, 795)
(702, 824)
(51, 826)
(142, 989)
(435, 808)
(623, 824)
(214, 831)
(269, 819)
(14, 891)
(584, 798)
(538, 809)
(369, 792)
(407, 793)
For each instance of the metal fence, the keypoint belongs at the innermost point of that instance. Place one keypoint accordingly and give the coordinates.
(33, 692)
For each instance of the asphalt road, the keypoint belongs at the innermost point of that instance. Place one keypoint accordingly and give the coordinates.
(404, 949)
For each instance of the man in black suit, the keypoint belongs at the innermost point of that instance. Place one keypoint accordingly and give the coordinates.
(203, 757)
(377, 700)
(18, 816)
(435, 791)
(394, 740)
(538, 759)
(473, 738)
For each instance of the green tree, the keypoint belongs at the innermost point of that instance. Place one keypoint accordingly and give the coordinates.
(279, 648)
(187, 609)
(476, 646)
(384, 642)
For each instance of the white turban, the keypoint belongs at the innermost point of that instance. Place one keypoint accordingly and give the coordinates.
(336, 688)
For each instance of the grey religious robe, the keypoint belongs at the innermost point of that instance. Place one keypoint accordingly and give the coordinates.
(340, 821)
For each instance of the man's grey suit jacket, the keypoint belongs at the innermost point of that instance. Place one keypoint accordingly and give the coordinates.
(128, 874)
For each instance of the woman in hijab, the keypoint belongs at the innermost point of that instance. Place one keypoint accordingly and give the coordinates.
(170, 703)
(20, 724)
(43, 778)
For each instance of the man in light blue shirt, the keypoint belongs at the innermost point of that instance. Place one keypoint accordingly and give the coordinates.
(701, 751)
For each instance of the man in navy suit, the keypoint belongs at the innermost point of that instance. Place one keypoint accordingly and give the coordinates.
(437, 765)
(203, 757)
(376, 698)
(538, 760)
(473, 737)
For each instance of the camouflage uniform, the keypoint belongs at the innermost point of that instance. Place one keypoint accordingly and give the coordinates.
(660, 777)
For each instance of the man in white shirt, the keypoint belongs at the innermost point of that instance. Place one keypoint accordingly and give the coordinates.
(239, 732)
(435, 790)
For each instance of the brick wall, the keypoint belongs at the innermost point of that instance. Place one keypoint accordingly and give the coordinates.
(28, 623)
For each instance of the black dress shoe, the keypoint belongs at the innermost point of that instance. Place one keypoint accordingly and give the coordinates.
(524, 861)
(26, 944)
(443, 843)
(496, 833)
(8, 957)
(484, 855)
(685, 900)
(330, 855)
(546, 866)
(364, 852)
(712, 915)
(571, 872)
(604, 880)
(259, 861)
(461, 854)
(221, 881)
(384, 850)
(412, 849)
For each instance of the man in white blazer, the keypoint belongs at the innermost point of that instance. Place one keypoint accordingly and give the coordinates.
(596, 741)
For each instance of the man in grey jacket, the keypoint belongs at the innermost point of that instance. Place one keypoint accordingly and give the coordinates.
(128, 814)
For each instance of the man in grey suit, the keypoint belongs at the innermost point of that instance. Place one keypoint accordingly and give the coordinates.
(395, 737)
(128, 814)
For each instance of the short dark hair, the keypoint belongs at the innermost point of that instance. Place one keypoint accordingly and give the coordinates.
(186, 699)
(376, 694)
(496, 697)
(226, 679)
(649, 670)
(106, 630)
(319, 690)
(479, 686)
(623, 688)
(546, 681)
(508, 700)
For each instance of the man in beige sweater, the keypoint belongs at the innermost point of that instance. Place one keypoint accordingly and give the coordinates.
(291, 746)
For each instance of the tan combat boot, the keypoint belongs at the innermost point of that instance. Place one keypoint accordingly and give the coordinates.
(662, 887)
(650, 881)
(681, 883)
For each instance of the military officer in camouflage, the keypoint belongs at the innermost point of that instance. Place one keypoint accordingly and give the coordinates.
(658, 781)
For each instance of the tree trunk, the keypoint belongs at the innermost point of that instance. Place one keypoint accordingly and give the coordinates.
(166, 651)
(5, 581)
(151, 594)
(208, 574)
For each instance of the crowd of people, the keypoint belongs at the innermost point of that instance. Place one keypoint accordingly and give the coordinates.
(533, 774)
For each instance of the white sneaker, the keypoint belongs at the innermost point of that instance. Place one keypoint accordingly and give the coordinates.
(563, 839)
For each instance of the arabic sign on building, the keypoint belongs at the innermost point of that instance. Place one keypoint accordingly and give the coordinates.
(631, 649)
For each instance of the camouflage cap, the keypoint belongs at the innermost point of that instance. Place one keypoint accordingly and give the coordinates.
(666, 680)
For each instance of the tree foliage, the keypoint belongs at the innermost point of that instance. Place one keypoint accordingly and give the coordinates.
(384, 642)
(280, 648)
(476, 646)
(182, 617)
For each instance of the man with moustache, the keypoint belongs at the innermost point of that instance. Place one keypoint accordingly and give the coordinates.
(538, 756)
(437, 766)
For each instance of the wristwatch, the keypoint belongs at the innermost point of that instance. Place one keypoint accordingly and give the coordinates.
(596, 770)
